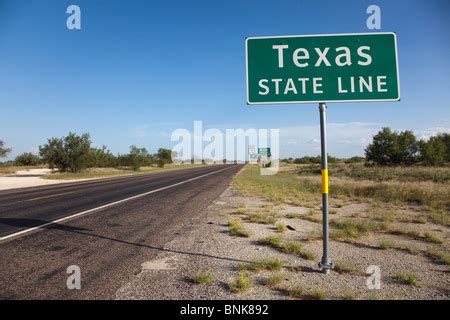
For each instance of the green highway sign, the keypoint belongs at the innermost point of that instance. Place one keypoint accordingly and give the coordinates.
(264, 151)
(322, 68)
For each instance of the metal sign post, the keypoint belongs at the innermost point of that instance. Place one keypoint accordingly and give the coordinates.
(322, 68)
(325, 264)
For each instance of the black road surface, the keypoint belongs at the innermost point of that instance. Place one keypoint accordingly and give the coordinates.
(109, 242)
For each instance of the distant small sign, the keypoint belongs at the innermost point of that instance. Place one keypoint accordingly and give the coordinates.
(264, 151)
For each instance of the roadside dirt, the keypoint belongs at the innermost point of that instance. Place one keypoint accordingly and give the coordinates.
(27, 178)
(207, 246)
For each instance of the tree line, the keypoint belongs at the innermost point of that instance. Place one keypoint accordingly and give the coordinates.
(390, 148)
(74, 153)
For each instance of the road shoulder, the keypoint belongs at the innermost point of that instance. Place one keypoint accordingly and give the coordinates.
(208, 248)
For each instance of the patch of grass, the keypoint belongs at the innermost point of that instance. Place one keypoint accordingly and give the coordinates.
(317, 294)
(408, 249)
(296, 292)
(237, 229)
(313, 236)
(273, 280)
(359, 171)
(263, 264)
(241, 210)
(307, 255)
(373, 296)
(354, 229)
(332, 211)
(240, 283)
(347, 268)
(386, 217)
(386, 244)
(202, 278)
(292, 215)
(402, 231)
(425, 186)
(312, 216)
(268, 206)
(272, 240)
(348, 296)
(407, 278)
(441, 218)
(438, 256)
(433, 237)
(421, 219)
(281, 227)
(263, 218)
(444, 258)
(292, 247)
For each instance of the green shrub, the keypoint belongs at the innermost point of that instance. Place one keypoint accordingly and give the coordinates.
(237, 229)
(27, 159)
(240, 283)
(263, 264)
(407, 278)
(202, 278)
(272, 240)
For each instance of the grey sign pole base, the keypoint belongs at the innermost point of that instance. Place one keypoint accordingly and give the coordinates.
(325, 264)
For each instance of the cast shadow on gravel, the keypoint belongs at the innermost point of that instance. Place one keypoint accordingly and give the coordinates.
(30, 223)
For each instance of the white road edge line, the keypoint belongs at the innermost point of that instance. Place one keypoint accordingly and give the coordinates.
(106, 206)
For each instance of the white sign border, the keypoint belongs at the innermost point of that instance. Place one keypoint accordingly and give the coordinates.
(322, 101)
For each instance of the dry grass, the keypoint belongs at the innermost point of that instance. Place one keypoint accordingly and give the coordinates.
(241, 210)
(202, 278)
(407, 278)
(273, 280)
(312, 236)
(288, 247)
(387, 245)
(431, 186)
(395, 173)
(433, 237)
(274, 241)
(438, 217)
(262, 217)
(237, 229)
(401, 209)
(296, 292)
(350, 229)
(438, 256)
(307, 255)
(347, 268)
(281, 227)
(293, 247)
(317, 294)
(271, 264)
(240, 283)
(111, 172)
(348, 296)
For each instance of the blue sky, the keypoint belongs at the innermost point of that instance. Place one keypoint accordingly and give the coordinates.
(137, 70)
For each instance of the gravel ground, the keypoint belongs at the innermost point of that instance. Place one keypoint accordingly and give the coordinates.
(207, 246)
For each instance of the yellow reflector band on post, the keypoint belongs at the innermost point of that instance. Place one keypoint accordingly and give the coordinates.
(325, 181)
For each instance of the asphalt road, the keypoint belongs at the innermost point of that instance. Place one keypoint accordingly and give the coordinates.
(96, 226)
